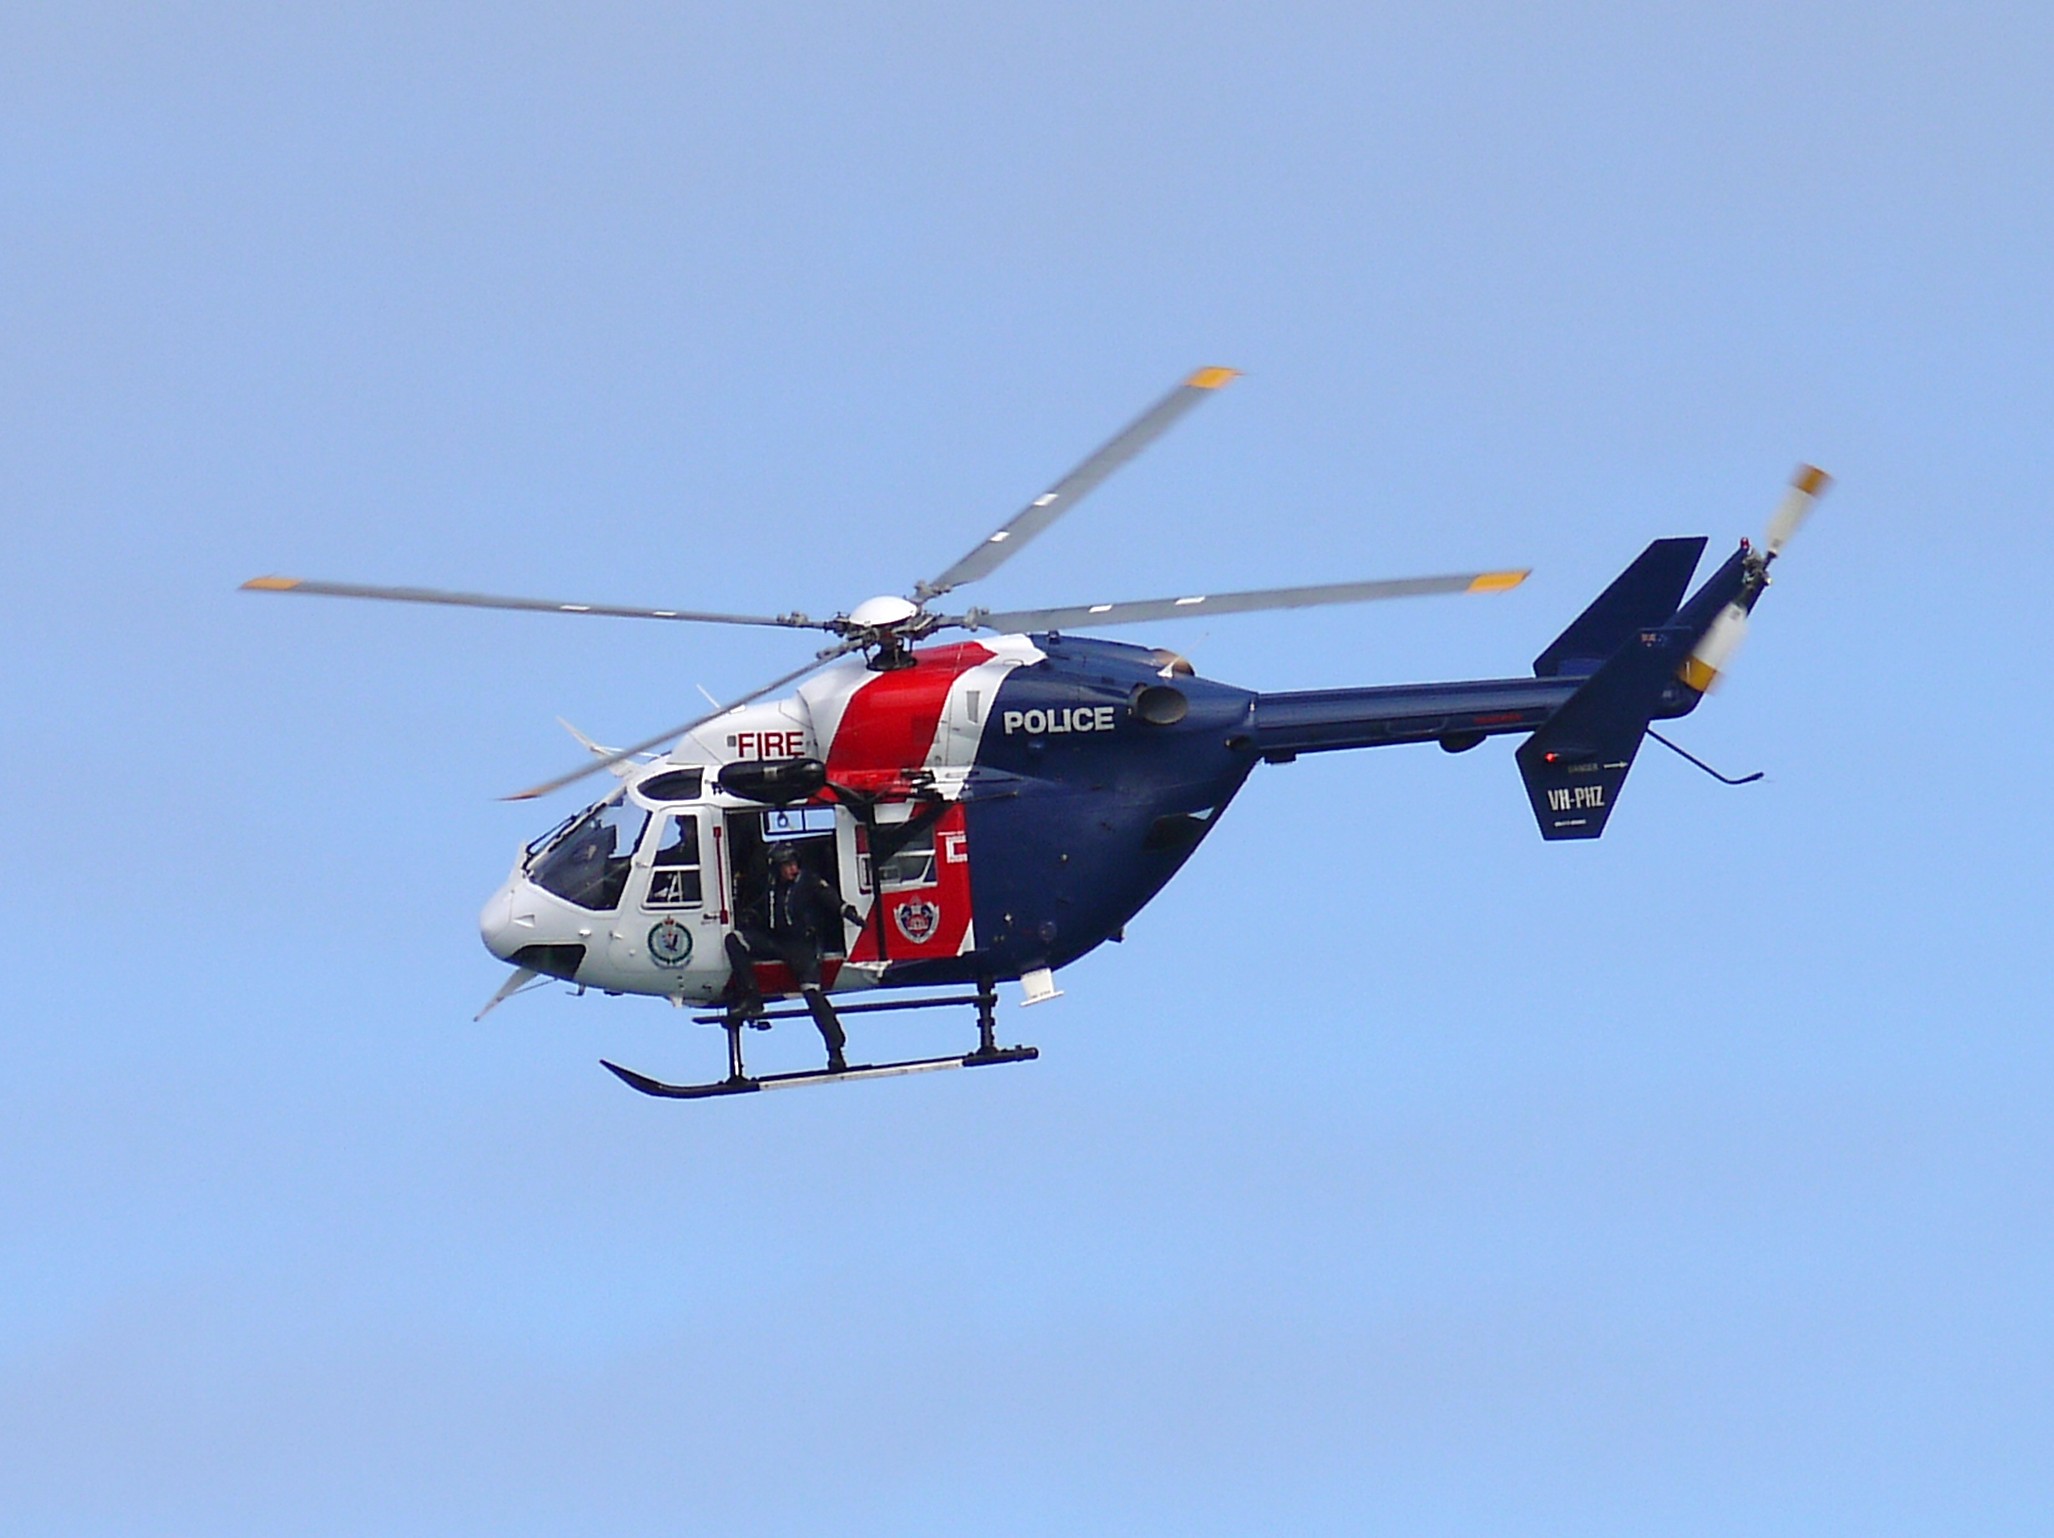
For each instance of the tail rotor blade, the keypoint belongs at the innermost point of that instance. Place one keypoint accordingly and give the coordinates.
(1806, 487)
(1715, 649)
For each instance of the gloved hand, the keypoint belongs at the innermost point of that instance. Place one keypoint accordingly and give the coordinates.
(849, 912)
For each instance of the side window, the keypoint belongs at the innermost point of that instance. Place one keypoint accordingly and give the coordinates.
(797, 822)
(674, 881)
(911, 866)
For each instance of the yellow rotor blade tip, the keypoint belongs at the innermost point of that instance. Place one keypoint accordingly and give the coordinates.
(1811, 480)
(1498, 581)
(271, 584)
(1212, 378)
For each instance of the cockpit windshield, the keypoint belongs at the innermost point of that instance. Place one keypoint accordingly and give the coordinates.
(588, 863)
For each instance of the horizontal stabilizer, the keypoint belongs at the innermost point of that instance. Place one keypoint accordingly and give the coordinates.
(1576, 763)
(1640, 598)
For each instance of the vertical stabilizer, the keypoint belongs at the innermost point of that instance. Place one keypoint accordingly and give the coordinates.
(1642, 596)
(1576, 764)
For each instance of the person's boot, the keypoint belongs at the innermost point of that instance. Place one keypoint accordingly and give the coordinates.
(830, 1029)
(746, 1008)
(741, 999)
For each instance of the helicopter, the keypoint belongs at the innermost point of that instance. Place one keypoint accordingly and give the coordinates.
(998, 806)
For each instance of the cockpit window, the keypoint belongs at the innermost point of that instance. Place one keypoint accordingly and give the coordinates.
(536, 846)
(588, 864)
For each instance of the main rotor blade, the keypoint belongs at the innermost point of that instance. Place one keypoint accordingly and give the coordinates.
(1201, 604)
(619, 755)
(1058, 499)
(492, 601)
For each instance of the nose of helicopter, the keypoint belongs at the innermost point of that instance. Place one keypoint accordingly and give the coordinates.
(517, 928)
(495, 922)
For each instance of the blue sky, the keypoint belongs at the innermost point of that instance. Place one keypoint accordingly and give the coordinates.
(1400, 1173)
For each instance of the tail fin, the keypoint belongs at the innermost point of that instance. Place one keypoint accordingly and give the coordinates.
(1644, 652)
(1641, 597)
(1576, 763)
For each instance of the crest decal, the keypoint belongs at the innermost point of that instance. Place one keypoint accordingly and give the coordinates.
(917, 919)
(670, 944)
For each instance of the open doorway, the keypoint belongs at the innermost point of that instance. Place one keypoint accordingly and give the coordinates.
(751, 832)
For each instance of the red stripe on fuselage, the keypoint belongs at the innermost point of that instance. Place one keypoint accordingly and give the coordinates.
(888, 728)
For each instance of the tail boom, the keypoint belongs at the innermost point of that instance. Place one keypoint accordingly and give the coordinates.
(1639, 653)
(1457, 715)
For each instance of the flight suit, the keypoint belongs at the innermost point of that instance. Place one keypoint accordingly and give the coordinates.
(791, 922)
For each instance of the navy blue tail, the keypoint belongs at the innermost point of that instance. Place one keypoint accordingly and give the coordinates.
(1576, 763)
(1641, 597)
(1633, 656)
(1634, 644)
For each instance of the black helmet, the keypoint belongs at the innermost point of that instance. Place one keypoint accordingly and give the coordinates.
(784, 854)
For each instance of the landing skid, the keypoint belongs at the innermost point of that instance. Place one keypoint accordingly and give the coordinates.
(746, 1085)
(740, 1082)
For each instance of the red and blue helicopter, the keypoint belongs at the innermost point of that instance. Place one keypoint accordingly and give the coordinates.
(995, 808)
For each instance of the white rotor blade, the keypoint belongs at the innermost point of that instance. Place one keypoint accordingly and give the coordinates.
(597, 749)
(1806, 487)
(1139, 610)
(518, 983)
(494, 601)
(547, 786)
(1058, 499)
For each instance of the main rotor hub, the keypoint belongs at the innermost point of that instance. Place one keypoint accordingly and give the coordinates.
(885, 613)
(887, 625)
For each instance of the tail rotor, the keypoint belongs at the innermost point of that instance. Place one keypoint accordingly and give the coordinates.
(1714, 651)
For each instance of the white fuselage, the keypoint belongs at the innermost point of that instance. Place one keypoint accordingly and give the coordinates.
(639, 893)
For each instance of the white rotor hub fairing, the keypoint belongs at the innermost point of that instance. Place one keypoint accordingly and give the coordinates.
(878, 613)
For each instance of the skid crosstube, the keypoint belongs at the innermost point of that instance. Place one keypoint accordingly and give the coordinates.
(800, 1012)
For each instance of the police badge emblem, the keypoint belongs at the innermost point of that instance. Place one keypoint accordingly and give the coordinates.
(917, 920)
(670, 944)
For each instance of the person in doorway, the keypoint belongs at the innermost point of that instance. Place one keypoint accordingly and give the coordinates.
(797, 916)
